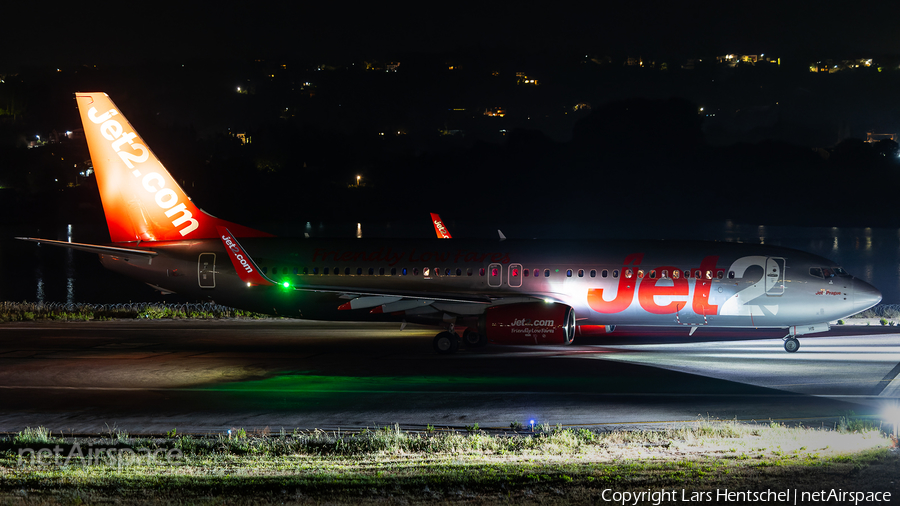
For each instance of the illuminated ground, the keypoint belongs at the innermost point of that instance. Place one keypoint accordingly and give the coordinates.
(152, 376)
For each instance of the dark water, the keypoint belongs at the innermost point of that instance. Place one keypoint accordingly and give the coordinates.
(51, 274)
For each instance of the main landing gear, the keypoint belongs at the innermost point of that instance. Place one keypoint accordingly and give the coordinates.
(448, 342)
(791, 344)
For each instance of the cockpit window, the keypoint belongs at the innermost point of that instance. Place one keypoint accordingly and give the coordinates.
(827, 272)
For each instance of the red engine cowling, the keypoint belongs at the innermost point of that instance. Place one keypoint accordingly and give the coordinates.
(529, 323)
(594, 330)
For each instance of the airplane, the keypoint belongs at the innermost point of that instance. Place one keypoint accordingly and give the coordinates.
(502, 292)
(440, 230)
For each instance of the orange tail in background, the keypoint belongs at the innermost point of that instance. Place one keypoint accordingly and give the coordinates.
(439, 229)
(141, 200)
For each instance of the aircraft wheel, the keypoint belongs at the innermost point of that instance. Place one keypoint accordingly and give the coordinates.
(474, 339)
(791, 344)
(446, 343)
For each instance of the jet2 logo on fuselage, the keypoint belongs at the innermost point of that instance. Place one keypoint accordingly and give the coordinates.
(649, 288)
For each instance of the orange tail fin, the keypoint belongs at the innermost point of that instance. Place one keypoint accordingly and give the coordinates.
(439, 228)
(141, 200)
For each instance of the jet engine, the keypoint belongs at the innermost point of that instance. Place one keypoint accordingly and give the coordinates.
(528, 323)
(594, 330)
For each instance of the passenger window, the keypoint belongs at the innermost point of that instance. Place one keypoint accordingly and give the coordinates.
(652, 273)
(515, 273)
(676, 274)
(628, 273)
(720, 274)
(580, 273)
(640, 273)
(265, 269)
(415, 271)
(730, 274)
(525, 272)
(481, 272)
(593, 273)
(404, 271)
(537, 273)
(697, 274)
(426, 271)
(306, 270)
(459, 272)
(295, 271)
(708, 274)
(371, 271)
(315, 270)
(546, 273)
(337, 271)
(325, 271)
(604, 273)
(469, 271)
(615, 273)
(568, 273)
(495, 272)
(393, 271)
(381, 271)
(346, 271)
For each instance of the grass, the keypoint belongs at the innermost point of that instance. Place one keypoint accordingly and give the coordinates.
(552, 465)
(30, 311)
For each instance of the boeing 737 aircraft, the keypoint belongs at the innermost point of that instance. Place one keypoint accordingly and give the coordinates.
(504, 292)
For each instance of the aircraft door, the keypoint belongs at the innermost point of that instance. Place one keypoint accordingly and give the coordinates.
(206, 270)
(774, 276)
(495, 275)
(514, 278)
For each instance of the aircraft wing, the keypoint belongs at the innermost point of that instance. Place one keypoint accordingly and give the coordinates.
(416, 303)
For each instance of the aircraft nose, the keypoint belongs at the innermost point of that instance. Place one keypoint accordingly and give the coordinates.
(864, 295)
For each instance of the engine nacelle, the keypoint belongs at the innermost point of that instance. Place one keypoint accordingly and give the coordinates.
(528, 323)
(594, 330)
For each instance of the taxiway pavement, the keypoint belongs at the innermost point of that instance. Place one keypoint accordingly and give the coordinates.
(211, 376)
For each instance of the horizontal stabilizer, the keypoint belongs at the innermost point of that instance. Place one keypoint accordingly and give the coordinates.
(95, 248)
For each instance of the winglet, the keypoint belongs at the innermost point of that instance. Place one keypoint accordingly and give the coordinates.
(244, 265)
(502, 237)
(439, 228)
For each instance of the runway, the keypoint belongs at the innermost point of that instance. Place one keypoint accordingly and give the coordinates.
(211, 376)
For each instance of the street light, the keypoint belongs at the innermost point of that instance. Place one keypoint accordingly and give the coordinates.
(357, 180)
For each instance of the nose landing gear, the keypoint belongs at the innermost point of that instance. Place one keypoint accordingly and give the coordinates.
(791, 344)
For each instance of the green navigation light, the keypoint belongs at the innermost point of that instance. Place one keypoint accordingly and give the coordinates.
(286, 284)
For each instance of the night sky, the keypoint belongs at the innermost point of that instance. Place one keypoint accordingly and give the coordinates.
(115, 31)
